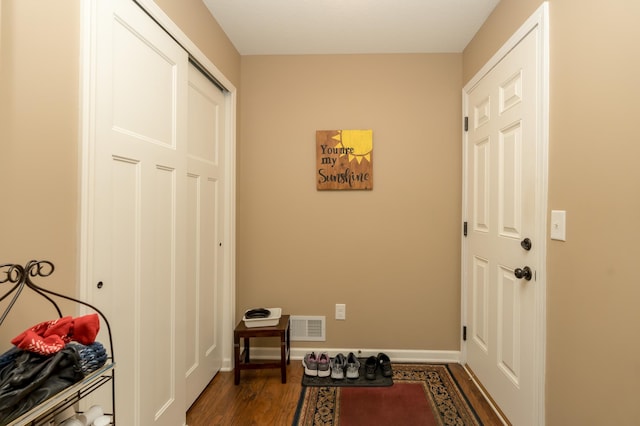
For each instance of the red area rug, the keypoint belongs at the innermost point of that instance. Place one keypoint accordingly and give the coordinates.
(363, 406)
(421, 394)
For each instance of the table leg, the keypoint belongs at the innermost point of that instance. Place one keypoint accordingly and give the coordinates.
(283, 357)
(246, 350)
(236, 359)
(288, 345)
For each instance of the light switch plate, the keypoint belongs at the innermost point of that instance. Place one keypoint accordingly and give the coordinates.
(559, 225)
(341, 311)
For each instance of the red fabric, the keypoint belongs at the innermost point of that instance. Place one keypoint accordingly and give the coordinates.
(50, 337)
(401, 404)
(85, 329)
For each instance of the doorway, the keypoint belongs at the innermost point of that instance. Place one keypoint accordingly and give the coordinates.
(504, 209)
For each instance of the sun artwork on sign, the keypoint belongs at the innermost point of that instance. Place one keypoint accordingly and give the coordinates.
(344, 159)
(358, 144)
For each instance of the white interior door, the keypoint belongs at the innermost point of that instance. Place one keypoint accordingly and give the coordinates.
(205, 202)
(139, 222)
(504, 211)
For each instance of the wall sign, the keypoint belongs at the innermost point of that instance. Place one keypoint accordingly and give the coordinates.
(344, 159)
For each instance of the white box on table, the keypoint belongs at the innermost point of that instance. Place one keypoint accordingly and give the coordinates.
(269, 321)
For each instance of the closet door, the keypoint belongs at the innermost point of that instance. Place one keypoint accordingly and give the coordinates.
(205, 201)
(139, 219)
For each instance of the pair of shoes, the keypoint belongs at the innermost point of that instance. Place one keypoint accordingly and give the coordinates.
(342, 367)
(338, 365)
(316, 365)
(352, 370)
(372, 364)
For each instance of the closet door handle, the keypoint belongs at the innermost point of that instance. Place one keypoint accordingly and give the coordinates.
(100, 284)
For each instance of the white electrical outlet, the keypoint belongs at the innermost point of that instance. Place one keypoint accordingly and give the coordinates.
(341, 311)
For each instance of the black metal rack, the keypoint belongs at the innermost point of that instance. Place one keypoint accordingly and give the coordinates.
(21, 277)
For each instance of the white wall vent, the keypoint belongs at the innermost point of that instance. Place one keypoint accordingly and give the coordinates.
(307, 328)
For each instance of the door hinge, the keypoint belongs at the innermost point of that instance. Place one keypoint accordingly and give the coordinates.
(466, 124)
(464, 333)
(464, 228)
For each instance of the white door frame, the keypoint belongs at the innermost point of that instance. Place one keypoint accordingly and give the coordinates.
(540, 20)
(87, 159)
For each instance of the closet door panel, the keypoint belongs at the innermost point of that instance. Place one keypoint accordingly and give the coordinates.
(206, 132)
(158, 294)
(139, 219)
(143, 72)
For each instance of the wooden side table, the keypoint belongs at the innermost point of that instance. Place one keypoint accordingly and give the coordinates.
(242, 361)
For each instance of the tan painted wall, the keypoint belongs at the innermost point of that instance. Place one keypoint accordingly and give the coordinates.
(505, 19)
(593, 321)
(38, 145)
(390, 254)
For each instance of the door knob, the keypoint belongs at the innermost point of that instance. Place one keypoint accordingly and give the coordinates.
(526, 244)
(523, 273)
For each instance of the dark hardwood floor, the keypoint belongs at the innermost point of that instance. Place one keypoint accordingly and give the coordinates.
(261, 399)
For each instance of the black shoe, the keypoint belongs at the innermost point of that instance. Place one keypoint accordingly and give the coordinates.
(370, 367)
(385, 365)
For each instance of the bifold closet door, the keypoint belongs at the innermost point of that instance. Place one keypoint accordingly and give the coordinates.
(205, 223)
(139, 218)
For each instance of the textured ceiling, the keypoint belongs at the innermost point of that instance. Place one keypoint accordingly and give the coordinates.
(272, 27)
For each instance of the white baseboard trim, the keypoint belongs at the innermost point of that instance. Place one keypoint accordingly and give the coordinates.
(227, 364)
(396, 355)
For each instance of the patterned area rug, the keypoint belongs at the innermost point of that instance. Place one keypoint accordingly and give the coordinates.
(444, 403)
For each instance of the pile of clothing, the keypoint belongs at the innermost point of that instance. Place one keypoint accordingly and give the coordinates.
(46, 359)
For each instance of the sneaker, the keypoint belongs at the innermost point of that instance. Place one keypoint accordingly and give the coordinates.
(337, 367)
(385, 365)
(353, 366)
(324, 368)
(370, 367)
(310, 364)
